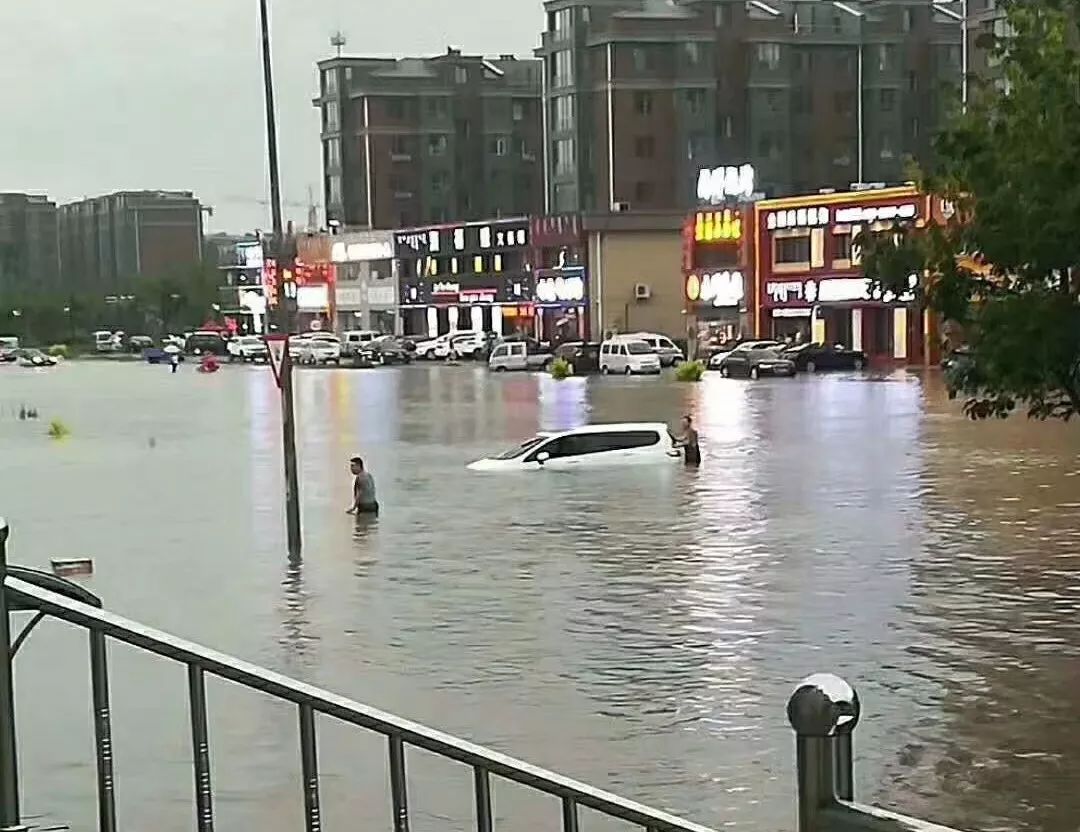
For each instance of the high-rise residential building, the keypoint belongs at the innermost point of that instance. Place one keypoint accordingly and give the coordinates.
(29, 250)
(424, 140)
(107, 240)
(641, 95)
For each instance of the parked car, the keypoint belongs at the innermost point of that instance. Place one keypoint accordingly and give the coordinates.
(8, 354)
(583, 357)
(669, 353)
(731, 346)
(353, 340)
(622, 355)
(754, 362)
(317, 348)
(138, 343)
(106, 340)
(589, 446)
(386, 349)
(29, 357)
(429, 348)
(247, 348)
(467, 345)
(517, 355)
(205, 342)
(814, 357)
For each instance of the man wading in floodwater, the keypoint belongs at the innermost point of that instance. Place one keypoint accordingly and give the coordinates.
(689, 443)
(364, 501)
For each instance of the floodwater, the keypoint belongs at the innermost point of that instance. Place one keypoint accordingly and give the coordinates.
(638, 630)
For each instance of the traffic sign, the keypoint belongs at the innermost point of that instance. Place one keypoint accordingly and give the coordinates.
(277, 346)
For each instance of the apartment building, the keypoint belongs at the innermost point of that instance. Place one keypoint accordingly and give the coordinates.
(29, 253)
(640, 95)
(426, 140)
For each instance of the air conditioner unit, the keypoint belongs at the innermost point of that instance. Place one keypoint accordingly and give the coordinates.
(620, 207)
(642, 291)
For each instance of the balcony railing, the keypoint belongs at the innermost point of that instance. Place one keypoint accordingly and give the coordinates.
(823, 710)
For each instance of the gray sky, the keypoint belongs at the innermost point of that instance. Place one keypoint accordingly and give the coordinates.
(104, 95)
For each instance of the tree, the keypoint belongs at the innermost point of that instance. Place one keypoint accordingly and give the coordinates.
(1004, 269)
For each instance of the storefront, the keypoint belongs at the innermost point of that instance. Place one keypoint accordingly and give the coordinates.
(315, 296)
(367, 290)
(810, 285)
(715, 264)
(474, 276)
(561, 277)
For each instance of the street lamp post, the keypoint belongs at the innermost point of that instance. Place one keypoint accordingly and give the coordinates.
(286, 300)
(960, 17)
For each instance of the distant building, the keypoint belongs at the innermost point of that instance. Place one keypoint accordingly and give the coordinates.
(426, 140)
(29, 252)
(129, 234)
(641, 95)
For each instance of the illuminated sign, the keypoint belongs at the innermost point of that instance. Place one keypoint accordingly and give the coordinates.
(718, 288)
(554, 289)
(360, 252)
(445, 289)
(877, 213)
(835, 290)
(798, 217)
(729, 182)
(249, 255)
(477, 296)
(312, 297)
(717, 226)
(473, 237)
(270, 282)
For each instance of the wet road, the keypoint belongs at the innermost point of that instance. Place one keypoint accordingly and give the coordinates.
(639, 630)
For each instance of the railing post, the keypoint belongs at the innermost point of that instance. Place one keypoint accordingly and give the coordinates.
(823, 710)
(99, 692)
(9, 761)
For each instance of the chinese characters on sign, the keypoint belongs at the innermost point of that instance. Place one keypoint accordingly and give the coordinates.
(798, 218)
(717, 226)
(730, 182)
(834, 290)
(719, 288)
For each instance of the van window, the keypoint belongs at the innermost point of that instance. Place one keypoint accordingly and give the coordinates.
(652, 342)
(605, 349)
(619, 440)
(517, 349)
(666, 343)
(500, 352)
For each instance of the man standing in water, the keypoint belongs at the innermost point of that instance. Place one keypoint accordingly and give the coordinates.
(364, 501)
(689, 443)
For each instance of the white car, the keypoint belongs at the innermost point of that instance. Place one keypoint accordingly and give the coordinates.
(590, 446)
(355, 339)
(628, 356)
(714, 361)
(316, 348)
(515, 355)
(465, 345)
(669, 353)
(441, 347)
(247, 348)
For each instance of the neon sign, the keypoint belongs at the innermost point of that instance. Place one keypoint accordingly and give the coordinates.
(798, 218)
(876, 213)
(717, 226)
(718, 288)
(729, 182)
(554, 289)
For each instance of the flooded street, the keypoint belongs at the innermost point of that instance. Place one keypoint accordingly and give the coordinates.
(638, 629)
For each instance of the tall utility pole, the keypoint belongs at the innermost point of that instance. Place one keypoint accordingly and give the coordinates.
(284, 261)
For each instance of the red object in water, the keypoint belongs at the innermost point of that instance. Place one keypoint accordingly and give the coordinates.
(209, 364)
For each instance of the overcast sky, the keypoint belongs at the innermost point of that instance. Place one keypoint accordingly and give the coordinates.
(105, 95)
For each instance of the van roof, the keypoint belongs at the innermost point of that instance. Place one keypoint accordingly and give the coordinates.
(614, 427)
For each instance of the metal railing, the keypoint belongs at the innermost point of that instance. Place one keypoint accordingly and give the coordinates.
(823, 711)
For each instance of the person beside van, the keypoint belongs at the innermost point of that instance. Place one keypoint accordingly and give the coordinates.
(688, 441)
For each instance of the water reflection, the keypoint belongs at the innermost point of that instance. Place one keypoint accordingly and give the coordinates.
(640, 630)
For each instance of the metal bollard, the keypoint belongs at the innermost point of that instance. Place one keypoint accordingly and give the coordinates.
(9, 761)
(823, 710)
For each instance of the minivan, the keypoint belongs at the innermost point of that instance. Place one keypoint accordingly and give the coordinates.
(628, 356)
(669, 353)
(516, 355)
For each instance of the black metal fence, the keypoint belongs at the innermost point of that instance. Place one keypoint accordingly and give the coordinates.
(823, 711)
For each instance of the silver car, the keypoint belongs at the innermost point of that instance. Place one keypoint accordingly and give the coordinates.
(515, 355)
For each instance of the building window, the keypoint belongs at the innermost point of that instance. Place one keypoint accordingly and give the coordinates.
(478, 264)
(559, 23)
(692, 53)
(844, 103)
(333, 189)
(643, 192)
(791, 250)
(888, 151)
(722, 14)
(885, 59)
(769, 146)
(500, 146)
(562, 69)
(330, 82)
(518, 111)
(331, 117)
(695, 101)
(644, 147)
(768, 55)
(640, 56)
(436, 107)
(643, 103)
(907, 22)
(564, 156)
(332, 157)
(695, 147)
(728, 127)
(887, 100)
(563, 112)
(912, 82)
(461, 75)
(772, 100)
(395, 108)
(914, 127)
(437, 145)
(400, 146)
(841, 248)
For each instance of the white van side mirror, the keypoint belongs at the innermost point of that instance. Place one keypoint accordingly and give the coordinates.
(543, 457)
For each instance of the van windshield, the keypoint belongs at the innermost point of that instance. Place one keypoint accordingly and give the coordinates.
(522, 449)
(639, 348)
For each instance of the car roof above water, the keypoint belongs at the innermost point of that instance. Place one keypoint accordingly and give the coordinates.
(615, 427)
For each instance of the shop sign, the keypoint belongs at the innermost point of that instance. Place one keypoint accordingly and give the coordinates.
(249, 255)
(445, 288)
(811, 217)
(723, 288)
(717, 226)
(312, 297)
(834, 290)
(349, 297)
(381, 296)
(728, 182)
(555, 289)
(478, 296)
(361, 252)
(876, 213)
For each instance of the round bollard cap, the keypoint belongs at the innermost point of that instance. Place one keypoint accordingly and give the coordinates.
(823, 705)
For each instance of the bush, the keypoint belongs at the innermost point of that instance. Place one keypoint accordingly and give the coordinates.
(58, 430)
(560, 368)
(690, 371)
(59, 351)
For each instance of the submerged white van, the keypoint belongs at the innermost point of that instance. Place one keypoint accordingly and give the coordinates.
(590, 446)
(629, 356)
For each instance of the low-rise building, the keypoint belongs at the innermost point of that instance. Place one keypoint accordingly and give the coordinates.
(29, 250)
(367, 289)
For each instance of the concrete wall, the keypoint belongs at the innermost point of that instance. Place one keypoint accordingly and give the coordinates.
(620, 259)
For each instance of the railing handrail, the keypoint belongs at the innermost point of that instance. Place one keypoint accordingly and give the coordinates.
(342, 708)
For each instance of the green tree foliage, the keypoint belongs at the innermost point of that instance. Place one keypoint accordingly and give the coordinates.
(1004, 270)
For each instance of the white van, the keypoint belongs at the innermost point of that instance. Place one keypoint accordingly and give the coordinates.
(669, 353)
(623, 354)
(515, 355)
(590, 446)
(354, 339)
